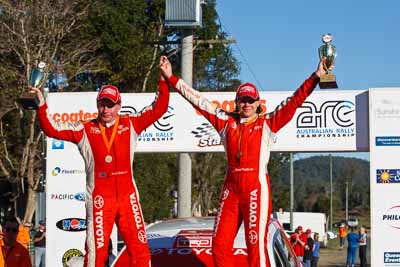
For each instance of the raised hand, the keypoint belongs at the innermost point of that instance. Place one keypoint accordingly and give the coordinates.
(165, 68)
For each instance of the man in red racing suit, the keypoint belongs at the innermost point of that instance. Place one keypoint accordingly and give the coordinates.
(107, 146)
(247, 137)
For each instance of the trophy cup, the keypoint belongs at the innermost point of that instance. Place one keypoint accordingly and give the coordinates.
(329, 51)
(36, 79)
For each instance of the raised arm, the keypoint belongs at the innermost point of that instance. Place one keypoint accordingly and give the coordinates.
(68, 131)
(216, 116)
(286, 110)
(155, 110)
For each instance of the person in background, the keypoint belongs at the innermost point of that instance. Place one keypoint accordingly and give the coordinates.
(352, 240)
(315, 251)
(40, 245)
(298, 240)
(23, 236)
(308, 248)
(1, 245)
(362, 242)
(14, 254)
(342, 234)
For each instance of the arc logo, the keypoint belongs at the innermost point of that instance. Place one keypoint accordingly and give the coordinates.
(331, 119)
(57, 144)
(58, 170)
(72, 224)
(163, 124)
(341, 112)
(387, 176)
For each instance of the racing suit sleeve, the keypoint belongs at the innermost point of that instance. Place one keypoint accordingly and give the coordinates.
(151, 113)
(284, 112)
(216, 116)
(68, 131)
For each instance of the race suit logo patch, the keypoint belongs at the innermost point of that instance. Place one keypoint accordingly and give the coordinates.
(142, 236)
(98, 218)
(98, 202)
(253, 237)
(253, 209)
(136, 211)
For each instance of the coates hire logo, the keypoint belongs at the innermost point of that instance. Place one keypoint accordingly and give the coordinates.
(57, 144)
(392, 217)
(331, 119)
(391, 257)
(388, 176)
(72, 224)
(163, 129)
(78, 196)
(58, 171)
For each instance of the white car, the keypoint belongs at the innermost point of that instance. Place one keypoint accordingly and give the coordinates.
(187, 242)
(352, 222)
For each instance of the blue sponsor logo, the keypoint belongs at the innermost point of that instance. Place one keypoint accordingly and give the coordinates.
(391, 257)
(387, 141)
(72, 224)
(80, 196)
(57, 144)
(390, 176)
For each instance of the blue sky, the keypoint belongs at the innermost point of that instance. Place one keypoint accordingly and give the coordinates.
(278, 41)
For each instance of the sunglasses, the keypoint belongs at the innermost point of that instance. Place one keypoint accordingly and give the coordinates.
(11, 229)
(249, 100)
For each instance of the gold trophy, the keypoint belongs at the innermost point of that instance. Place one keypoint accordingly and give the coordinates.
(329, 51)
(36, 79)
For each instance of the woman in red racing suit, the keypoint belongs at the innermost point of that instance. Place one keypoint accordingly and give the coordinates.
(247, 137)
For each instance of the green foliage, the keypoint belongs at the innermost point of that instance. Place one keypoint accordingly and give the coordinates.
(312, 183)
(155, 176)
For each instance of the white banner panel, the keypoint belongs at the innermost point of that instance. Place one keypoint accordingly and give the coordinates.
(326, 122)
(385, 176)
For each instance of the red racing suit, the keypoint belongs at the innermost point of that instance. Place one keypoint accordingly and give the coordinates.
(111, 193)
(246, 194)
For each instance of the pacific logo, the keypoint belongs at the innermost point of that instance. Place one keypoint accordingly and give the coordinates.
(72, 224)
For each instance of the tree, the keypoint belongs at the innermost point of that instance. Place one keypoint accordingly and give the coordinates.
(33, 31)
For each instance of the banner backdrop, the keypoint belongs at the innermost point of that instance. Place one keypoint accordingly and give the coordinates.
(328, 121)
(385, 176)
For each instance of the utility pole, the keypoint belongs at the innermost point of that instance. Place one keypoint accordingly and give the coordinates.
(331, 204)
(347, 201)
(185, 162)
(291, 191)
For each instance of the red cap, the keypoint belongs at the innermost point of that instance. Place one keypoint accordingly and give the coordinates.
(300, 228)
(110, 92)
(308, 231)
(247, 89)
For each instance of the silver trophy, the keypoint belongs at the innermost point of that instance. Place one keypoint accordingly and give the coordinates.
(329, 51)
(36, 79)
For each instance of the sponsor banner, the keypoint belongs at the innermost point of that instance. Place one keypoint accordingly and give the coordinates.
(387, 176)
(326, 117)
(384, 121)
(387, 141)
(392, 257)
(72, 224)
